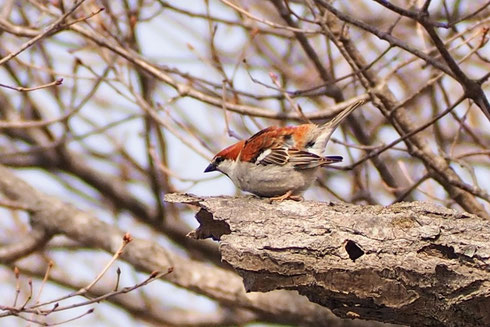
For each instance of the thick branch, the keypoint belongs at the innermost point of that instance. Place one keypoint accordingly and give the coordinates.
(34, 241)
(409, 263)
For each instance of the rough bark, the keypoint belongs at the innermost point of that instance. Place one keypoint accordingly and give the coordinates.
(409, 263)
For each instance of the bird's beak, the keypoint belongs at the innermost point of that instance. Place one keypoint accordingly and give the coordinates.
(211, 167)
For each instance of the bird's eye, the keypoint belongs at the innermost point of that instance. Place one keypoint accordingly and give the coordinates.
(218, 160)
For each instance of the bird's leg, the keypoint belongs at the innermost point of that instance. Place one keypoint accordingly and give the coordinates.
(286, 196)
(281, 197)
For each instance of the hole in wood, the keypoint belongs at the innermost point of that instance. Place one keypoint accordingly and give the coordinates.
(353, 250)
(439, 250)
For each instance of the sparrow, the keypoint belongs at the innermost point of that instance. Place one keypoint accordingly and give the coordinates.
(279, 162)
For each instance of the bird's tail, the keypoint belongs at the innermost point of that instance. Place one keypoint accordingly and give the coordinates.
(329, 127)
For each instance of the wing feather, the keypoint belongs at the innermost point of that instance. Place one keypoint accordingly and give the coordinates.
(304, 159)
(276, 156)
(278, 146)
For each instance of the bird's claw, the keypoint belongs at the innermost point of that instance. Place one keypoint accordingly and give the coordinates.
(286, 196)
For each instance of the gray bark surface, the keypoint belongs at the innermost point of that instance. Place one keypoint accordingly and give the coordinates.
(411, 263)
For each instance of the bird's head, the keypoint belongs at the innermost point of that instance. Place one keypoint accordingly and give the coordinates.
(224, 160)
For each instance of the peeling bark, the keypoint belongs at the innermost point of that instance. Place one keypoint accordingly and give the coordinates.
(409, 263)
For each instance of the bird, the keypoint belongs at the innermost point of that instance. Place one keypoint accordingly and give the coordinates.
(280, 163)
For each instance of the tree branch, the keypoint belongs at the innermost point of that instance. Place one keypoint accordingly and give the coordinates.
(408, 263)
(34, 241)
(137, 305)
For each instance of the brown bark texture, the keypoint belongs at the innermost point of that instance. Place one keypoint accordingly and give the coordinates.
(411, 263)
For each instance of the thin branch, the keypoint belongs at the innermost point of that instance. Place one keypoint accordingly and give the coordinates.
(34, 88)
(55, 26)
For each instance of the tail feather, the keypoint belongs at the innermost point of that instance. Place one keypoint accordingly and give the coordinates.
(332, 124)
(333, 158)
(329, 127)
(327, 160)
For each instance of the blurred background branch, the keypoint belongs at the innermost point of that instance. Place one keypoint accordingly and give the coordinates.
(110, 105)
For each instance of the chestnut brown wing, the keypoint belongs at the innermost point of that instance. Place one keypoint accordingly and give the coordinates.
(264, 141)
(280, 145)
